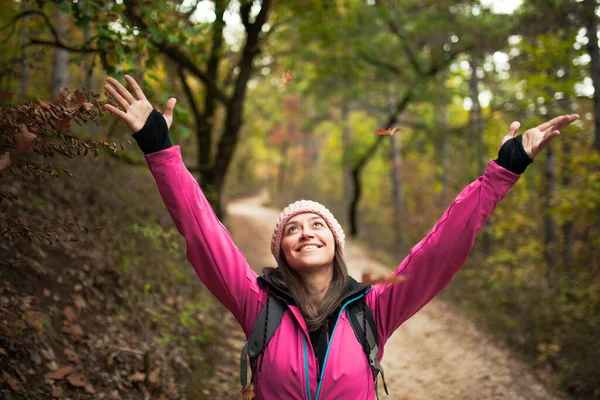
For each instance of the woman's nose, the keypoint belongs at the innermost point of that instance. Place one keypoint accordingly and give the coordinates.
(307, 233)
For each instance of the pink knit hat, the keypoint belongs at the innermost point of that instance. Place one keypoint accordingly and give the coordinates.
(300, 207)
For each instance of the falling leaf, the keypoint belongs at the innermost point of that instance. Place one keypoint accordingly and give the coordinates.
(287, 76)
(248, 392)
(154, 377)
(5, 95)
(35, 319)
(4, 161)
(79, 302)
(24, 139)
(14, 385)
(60, 373)
(389, 131)
(57, 392)
(392, 279)
(70, 314)
(137, 377)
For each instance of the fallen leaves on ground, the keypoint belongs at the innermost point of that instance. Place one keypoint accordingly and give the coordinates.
(248, 392)
(79, 302)
(78, 381)
(70, 314)
(60, 373)
(14, 385)
(137, 377)
(4, 161)
(35, 319)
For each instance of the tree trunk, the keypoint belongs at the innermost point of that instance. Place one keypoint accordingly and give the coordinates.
(548, 195)
(594, 53)
(60, 70)
(397, 194)
(477, 131)
(347, 171)
(443, 122)
(25, 60)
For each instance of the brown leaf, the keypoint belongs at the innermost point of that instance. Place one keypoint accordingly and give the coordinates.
(287, 76)
(21, 374)
(14, 385)
(2, 352)
(248, 392)
(35, 319)
(71, 354)
(77, 381)
(154, 377)
(4, 161)
(5, 95)
(63, 91)
(78, 287)
(63, 125)
(25, 139)
(60, 373)
(389, 131)
(87, 106)
(47, 292)
(392, 279)
(44, 103)
(57, 392)
(79, 302)
(137, 377)
(70, 314)
(88, 388)
(73, 329)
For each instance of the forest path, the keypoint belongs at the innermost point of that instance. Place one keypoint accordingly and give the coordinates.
(436, 354)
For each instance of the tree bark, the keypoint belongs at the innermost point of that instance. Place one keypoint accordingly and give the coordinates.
(395, 159)
(476, 124)
(347, 171)
(591, 26)
(60, 69)
(549, 222)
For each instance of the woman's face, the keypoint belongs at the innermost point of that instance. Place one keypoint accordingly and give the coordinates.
(307, 242)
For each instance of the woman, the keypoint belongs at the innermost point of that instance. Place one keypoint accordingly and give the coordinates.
(314, 353)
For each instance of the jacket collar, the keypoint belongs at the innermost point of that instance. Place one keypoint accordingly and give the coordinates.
(353, 288)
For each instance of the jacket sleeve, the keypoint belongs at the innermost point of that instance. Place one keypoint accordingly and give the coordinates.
(434, 261)
(218, 262)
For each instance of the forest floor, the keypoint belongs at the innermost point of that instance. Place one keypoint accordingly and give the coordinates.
(437, 354)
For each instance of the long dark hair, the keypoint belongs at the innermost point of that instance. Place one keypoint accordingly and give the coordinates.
(286, 277)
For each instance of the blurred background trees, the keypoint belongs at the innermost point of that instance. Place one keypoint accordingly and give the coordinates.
(451, 75)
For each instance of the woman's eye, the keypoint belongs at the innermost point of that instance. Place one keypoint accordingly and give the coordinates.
(319, 223)
(291, 228)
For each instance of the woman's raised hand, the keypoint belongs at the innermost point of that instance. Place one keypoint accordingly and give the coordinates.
(137, 108)
(536, 139)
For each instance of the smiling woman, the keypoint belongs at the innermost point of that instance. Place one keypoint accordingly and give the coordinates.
(322, 332)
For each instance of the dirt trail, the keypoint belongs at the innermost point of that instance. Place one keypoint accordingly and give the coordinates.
(437, 354)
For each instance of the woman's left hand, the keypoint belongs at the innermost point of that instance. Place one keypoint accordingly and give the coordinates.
(536, 139)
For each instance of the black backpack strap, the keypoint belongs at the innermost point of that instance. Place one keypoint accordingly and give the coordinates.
(265, 326)
(359, 312)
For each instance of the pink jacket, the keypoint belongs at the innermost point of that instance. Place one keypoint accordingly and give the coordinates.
(289, 369)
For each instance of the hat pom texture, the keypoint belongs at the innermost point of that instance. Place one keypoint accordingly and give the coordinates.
(301, 207)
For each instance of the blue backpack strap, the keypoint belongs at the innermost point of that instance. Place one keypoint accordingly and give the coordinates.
(264, 328)
(360, 315)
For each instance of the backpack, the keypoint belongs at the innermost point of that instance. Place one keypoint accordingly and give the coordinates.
(270, 317)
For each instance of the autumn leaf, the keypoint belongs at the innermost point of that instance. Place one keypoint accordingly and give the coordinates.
(25, 139)
(154, 377)
(389, 131)
(248, 392)
(60, 373)
(79, 302)
(287, 76)
(70, 314)
(4, 161)
(368, 279)
(2, 352)
(44, 103)
(35, 319)
(137, 377)
(63, 125)
(71, 354)
(5, 95)
(73, 329)
(87, 106)
(57, 392)
(14, 385)
(21, 374)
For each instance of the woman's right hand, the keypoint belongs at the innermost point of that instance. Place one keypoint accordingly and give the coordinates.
(138, 108)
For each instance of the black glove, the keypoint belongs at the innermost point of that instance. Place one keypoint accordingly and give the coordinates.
(154, 136)
(513, 156)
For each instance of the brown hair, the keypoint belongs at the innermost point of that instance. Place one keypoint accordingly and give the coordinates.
(286, 277)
